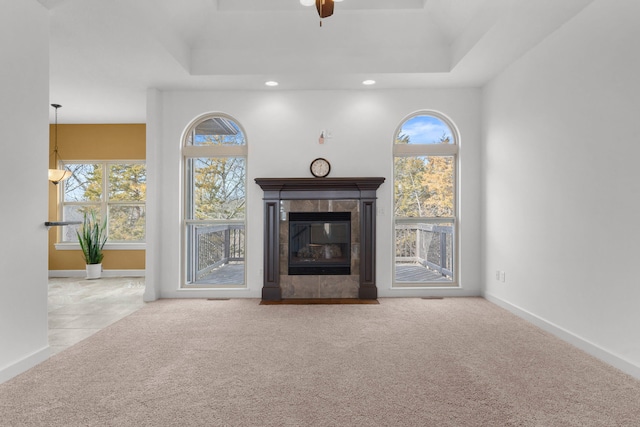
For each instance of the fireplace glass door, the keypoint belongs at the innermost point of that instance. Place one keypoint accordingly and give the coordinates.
(319, 243)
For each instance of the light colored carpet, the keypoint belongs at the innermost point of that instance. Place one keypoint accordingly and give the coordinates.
(404, 362)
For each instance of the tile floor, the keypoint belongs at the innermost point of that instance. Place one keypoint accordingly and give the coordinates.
(78, 308)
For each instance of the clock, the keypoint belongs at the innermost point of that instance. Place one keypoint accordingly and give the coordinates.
(320, 167)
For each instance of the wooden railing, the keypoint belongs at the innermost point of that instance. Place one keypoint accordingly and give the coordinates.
(218, 245)
(429, 245)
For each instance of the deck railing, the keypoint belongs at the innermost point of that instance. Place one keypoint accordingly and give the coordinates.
(426, 244)
(218, 245)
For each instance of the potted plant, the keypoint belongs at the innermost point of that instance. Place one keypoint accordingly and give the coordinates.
(92, 236)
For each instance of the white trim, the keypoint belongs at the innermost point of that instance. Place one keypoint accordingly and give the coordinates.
(245, 293)
(195, 151)
(569, 337)
(427, 219)
(425, 292)
(107, 247)
(425, 286)
(24, 364)
(229, 288)
(105, 273)
(408, 150)
(216, 221)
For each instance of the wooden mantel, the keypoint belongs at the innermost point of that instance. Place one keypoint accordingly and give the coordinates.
(362, 189)
(299, 188)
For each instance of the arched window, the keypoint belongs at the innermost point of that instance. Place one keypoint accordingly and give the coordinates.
(425, 163)
(214, 215)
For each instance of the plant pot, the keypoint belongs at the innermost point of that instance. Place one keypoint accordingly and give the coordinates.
(94, 271)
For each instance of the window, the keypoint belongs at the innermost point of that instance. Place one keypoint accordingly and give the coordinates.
(215, 167)
(115, 190)
(425, 160)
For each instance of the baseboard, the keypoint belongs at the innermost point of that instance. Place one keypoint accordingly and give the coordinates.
(23, 365)
(105, 273)
(569, 337)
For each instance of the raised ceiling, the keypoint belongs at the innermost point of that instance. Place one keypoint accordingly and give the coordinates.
(105, 54)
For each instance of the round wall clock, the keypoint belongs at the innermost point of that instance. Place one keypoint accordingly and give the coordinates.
(320, 167)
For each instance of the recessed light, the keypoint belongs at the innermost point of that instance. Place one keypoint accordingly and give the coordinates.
(271, 83)
(369, 82)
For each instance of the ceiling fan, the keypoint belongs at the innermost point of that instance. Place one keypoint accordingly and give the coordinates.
(324, 7)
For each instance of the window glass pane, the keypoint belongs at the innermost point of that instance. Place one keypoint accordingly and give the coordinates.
(424, 129)
(424, 252)
(216, 131)
(215, 199)
(83, 192)
(216, 254)
(126, 223)
(424, 186)
(85, 185)
(76, 213)
(218, 190)
(127, 182)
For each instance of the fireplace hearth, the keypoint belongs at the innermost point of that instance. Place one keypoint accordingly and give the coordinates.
(319, 237)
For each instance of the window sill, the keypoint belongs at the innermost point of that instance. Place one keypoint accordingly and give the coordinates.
(107, 247)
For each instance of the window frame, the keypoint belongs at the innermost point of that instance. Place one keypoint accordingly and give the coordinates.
(103, 206)
(429, 150)
(190, 151)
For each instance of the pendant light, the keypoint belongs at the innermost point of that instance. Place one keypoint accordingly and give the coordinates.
(57, 175)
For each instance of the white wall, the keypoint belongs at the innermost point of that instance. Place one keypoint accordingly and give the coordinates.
(561, 177)
(282, 130)
(24, 137)
(154, 182)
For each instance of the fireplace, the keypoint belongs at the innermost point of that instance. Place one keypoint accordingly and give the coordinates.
(319, 238)
(319, 243)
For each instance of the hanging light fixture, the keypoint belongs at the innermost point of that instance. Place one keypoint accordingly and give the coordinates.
(57, 175)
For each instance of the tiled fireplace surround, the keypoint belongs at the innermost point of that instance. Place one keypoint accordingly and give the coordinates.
(285, 195)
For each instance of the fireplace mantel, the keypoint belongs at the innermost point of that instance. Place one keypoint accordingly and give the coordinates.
(300, 188)
(362, 189)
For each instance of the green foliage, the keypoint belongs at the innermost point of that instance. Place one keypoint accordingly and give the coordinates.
(219, 188)
(85, 184)
(126, 223)
(92, 236)
(127, 193)
(125, 196)
(127, 182)
(424, 185)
